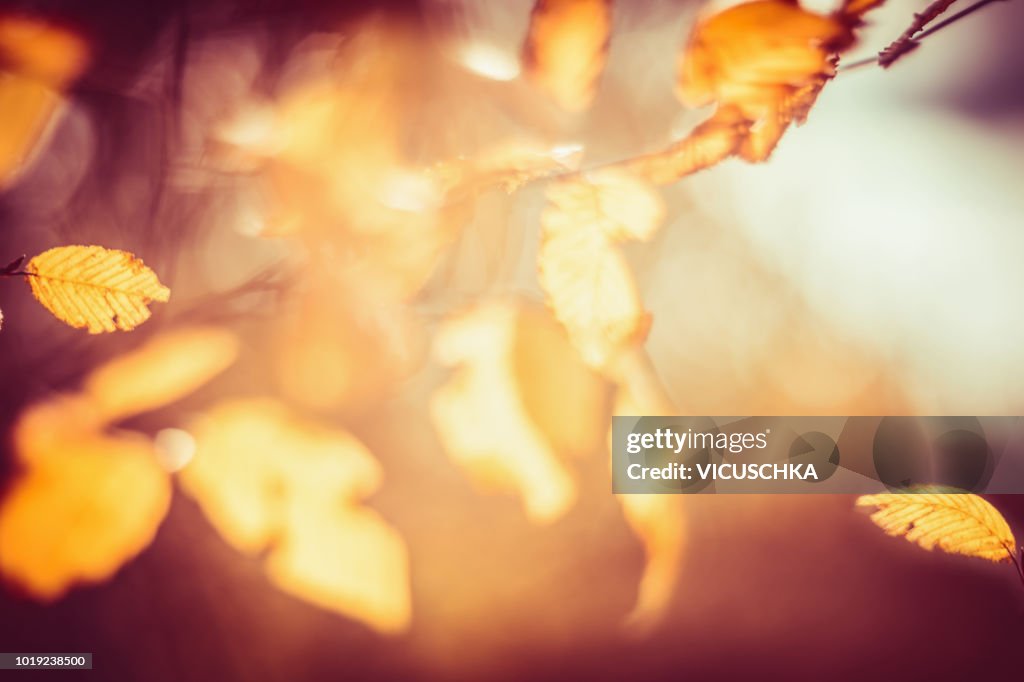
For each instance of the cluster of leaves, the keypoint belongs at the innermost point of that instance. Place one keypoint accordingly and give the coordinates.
(762, 64)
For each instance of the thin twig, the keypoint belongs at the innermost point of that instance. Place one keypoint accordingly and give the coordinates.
(1016, 564)
(956, 17)
(905, 43)
(917, 38)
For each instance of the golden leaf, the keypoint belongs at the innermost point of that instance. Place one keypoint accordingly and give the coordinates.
(36, 61)
(486, 415)
(88, 504)
(95, 288)
(955, 523)
(566, 48)
(164, 370)
(88, 501)
(767, 58)
(270, 482)
(586, 278)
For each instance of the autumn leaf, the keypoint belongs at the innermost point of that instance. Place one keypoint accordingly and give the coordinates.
(586, 278)
(37, 60)
(769, 59)
(566, 49)
(517, 405)
(88, 499)
(162, 371)
(659, 521)
(88, 503)
(272, 483)
(958, 523)
(95, 288)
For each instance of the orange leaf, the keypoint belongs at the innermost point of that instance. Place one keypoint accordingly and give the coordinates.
(768, 59)
(37, 60)
(87, 501)
(566, 49)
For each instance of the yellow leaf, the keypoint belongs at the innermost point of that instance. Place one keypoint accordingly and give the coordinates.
(566, 49)
(88, 502)
(270, 482)
(29, 108)
(95, 288)
(36, 61)
(586, 278)
(955, 523)
(164, 370)
(486, 414)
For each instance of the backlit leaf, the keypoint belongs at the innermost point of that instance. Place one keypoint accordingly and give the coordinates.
(566, 49)
(89, 503)
(94, 288)
(767, 58)
(86, 499)
(270, 482)
(164, 370)
(498, 426)
(37, 60)
(586, 278)
(955, 523)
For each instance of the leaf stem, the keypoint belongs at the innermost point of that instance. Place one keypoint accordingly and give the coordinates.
(1016, 563)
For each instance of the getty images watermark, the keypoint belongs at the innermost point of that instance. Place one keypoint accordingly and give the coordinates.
(816, 454)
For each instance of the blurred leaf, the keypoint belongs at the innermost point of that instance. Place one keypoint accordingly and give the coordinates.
(955, 523)
(660, 523)
(586, 278)
(164, 370)
(566, 49)
(486, 415)
(87, 501)
(37, 60)
(767, 58)
(95, 288)
(272, 483)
